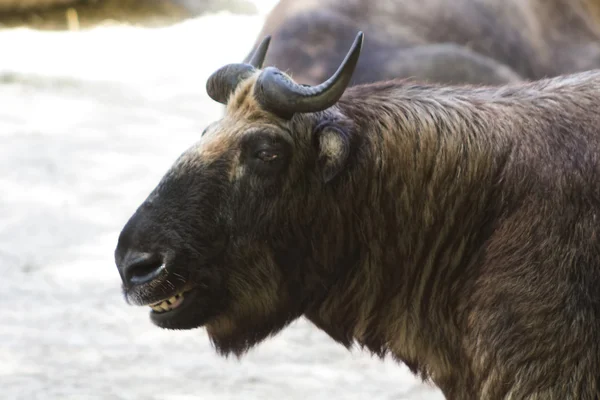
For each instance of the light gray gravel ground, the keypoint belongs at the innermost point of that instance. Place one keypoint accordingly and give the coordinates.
(89, 122)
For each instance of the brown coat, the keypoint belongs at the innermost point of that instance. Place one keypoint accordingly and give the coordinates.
(453, 228)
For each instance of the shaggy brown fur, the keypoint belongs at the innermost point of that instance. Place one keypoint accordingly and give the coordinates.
(483, 259)
(460, 233)
(458, 41)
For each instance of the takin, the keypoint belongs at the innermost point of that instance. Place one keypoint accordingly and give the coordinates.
(454, 228)
(440, 41)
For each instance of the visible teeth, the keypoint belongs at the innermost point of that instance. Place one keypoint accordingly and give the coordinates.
(169, 304)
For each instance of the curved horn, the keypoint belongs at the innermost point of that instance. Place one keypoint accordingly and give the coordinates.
(258, 58)
(224, 81)
(284, 97)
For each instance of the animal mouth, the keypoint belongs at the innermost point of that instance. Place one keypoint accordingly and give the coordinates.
(169, 304)
(164, 310)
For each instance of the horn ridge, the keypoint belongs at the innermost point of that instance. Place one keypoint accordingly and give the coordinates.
(223, 82)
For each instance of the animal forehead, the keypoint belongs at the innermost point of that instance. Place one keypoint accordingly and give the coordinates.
(214, 146)
(242, 104)
(228, 134)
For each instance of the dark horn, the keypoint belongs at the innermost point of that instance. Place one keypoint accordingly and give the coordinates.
(223, 82)
(258, 58)
(284, 97)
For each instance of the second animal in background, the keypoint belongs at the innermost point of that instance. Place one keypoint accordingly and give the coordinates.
(450, 42)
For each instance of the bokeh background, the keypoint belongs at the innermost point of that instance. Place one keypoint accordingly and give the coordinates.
(96, 102)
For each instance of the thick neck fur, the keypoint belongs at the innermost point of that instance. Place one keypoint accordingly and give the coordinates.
(433, 172)
(430, 183)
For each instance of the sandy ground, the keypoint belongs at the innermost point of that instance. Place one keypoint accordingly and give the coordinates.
(89, 122)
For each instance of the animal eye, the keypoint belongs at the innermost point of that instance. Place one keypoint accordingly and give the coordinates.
(267, 156)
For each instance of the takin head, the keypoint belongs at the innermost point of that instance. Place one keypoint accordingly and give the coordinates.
(239, 235)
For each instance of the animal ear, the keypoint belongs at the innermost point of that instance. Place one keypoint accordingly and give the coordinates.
(333, 151)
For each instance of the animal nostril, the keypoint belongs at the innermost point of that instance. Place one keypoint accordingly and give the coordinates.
(143, 269)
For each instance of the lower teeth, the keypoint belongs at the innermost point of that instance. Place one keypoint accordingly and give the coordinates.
(169, 304)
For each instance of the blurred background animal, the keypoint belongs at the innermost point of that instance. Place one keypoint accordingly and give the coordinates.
(458, 41)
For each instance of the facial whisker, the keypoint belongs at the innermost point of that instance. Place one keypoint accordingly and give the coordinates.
(179, 276)
(171, 285)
